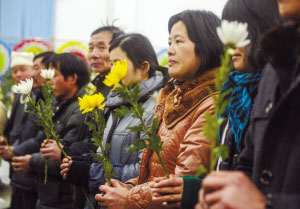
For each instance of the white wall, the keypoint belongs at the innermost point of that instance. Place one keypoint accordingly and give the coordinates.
(76, 19)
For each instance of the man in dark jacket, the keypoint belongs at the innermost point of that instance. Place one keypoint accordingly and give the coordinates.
(271, 156)
(71, 75)
(19, 128)
(98, 57)
(26, 183)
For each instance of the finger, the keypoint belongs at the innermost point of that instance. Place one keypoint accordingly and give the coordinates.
(14, 164)
(18, 168)
(172, 204)
(101, 199)
(167, 198)
(104, 188)
(211, 183)
(65, 176)
(15, 159)
(64, 165)
(115, 183)
(65, 160)
(51, 141)
(201, 195)
(65, 171)
(177, 181)
(212, 198)
(45, 150)
(158, 179)
(44, 143)
(168, 190)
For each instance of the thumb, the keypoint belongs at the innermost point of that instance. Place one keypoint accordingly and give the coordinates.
(115, 183)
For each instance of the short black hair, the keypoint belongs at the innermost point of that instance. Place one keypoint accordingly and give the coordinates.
(115, 31)
(70, 64)
(260, 17)
(202, 30)
(46, 56)
(139, 49)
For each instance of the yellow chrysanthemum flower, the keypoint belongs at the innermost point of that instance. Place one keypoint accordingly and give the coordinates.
(117, 73)
(89, 103)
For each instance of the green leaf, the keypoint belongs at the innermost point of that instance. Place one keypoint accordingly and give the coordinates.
(122, 111)
(155, 143)
(138, 128)
(221, 151)
(113, 174)
(140, 108)
(123, 93)
(136, 93)
(91, 125)
(201, 170)
(107, 167)
(96, 142)
(223, 101)
(154, 125)
(97, 157)
(107, 148)
(211, 128)
(137, 145)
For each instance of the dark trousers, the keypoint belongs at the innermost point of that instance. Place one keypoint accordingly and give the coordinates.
(23, 199)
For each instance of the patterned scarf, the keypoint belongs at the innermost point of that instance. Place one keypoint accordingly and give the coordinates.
(243, 86)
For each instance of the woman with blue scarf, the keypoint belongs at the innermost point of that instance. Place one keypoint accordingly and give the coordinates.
(243, 81)
(244, 88)
(260, 16)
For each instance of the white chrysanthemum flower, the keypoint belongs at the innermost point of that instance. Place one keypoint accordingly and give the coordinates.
(47, 73)
(233, 33)
(24, 87)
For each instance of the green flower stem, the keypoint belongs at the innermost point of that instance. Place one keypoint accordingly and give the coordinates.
(87, 198)
(213, 157)
(162, 164)
(46, 171)
(103, 151)
(140, 117)
(97, 120)
(146, 130)
(109, 182)
(221, 77)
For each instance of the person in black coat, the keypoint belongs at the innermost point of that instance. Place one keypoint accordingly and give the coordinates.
(71, 75)
(272, 149)
(18, 129)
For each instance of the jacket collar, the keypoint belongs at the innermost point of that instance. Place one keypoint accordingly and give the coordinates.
(148, 87)
(58, 105)
(179, 101)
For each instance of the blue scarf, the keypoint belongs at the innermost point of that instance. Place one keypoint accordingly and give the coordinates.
(238, 111)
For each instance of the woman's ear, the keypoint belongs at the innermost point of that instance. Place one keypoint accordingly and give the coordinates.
(145, 67)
